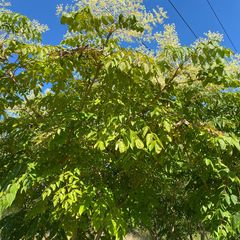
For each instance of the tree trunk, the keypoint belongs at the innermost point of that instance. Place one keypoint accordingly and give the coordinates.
(202, 235)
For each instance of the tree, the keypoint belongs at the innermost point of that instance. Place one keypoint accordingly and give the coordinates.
(125, 138)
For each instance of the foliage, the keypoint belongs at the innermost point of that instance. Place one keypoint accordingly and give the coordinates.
(124, 139)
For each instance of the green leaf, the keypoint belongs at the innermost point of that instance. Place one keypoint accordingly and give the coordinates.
(100, 145)
(234, 199)
(81, 210)
(149, 139)
(227, 198)
(222, 144)
(146, 68)
(204, 208)
(145, 131)
(139, 143)
(7, 197)
(167, 126)
(208, 162)
(122, 66)
(121, 146)
(158, 148)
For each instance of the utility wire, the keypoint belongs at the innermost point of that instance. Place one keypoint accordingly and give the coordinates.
(225, 31)
(181, 16)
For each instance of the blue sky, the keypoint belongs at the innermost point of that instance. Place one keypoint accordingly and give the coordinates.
(196, 12)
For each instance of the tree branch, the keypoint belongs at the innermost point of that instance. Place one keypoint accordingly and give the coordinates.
(12, 77)
(158, 96)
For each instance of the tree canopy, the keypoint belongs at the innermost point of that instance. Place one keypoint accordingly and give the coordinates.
(126, 137)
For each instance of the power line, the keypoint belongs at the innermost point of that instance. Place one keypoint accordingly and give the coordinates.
(225, 31)
(181, 16)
